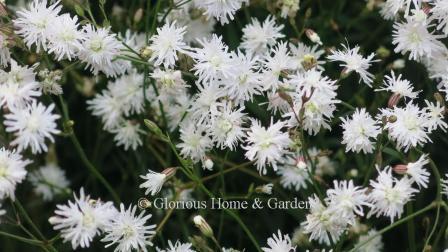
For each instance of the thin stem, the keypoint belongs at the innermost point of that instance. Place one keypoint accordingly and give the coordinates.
(22, 239)
(405, 219)
(28, 219)
(83, 155)
(435, 170)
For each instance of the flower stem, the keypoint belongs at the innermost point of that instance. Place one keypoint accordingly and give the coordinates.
(83, 155)
(399, 222)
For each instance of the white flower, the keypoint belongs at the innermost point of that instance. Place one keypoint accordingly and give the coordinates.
(129, 231)
(12, 172)
(18, 86)
(212, 60)
(177, 247)
(48, 181)
(398, 86)
(99, 49)
(222, 10)
(409, 128)
(169, 81)
(190, 16)
(413, 37)
(289, 8)
(153, 182)
(128, 135)
(354, 61)
(374, 245)
(445, 185)
(226, 126)
(80, 221)
(436, 116)
(390, 8)
(302, 52)
(318, 110)
(347, 199)
(195, 142)
(359, 132)
(417, 171)
(279, 243)
(33, 24)
(5, 54)
(246, 81)
(64, 37)
(294, 173)
(108, 108)
(31, 126)
(389, 194)
(166, 44)
(321, 222)
(205, 101)
(257, 37)
(313, 81)
(266, 146)
(439, 11)
(129, 90)
(274, 63)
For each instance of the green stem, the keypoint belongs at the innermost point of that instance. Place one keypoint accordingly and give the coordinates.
(28, 219)
(83, 155)
(435, 170)
(411, 229)
(205, 190)
(22, 239)
(399, 222)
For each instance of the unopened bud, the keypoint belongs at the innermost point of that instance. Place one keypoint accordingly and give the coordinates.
(286, 97)
(392, 119)
(400, 169)
(138, 15)
(383, 52)
(398, 64)
(353, 173)
(313, 36)
(203, 226)
(393, 100)
(145, 52)
(266, 189)
(155, 130)
(439, 98)
(309, 62)
(169, 172)
(301, 164)
(208, 163)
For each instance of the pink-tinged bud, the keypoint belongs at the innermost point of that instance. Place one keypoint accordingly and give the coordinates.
(426, 9)
(313, 36)
(300, 162)
(169, 172)
(393, 100)
(400, 169)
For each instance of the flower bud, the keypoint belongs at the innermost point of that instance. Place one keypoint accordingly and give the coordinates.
(145, 52)
(392, 119)
(393, 100)
(398, 64)
(138, 15)
(203, 226)
(169, 172)
(313, 36)
(301, 164)
(208, 163)
(309, 62)
(400, 169)
(383, 52)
